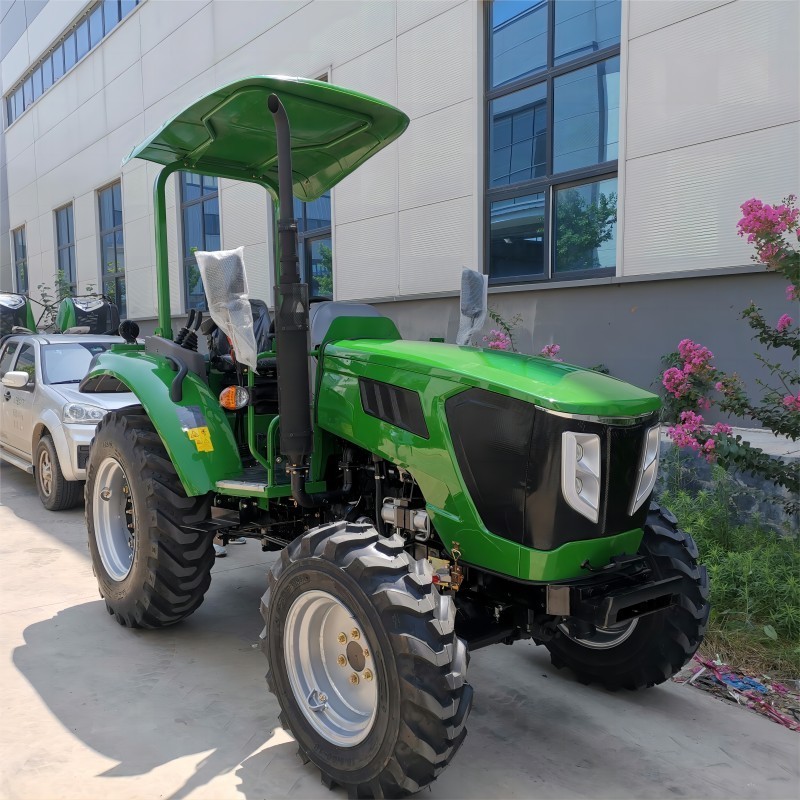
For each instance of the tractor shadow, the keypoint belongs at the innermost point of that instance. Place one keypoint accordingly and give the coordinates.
(147, 698)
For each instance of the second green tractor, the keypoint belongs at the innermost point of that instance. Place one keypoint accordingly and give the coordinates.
(425, 499)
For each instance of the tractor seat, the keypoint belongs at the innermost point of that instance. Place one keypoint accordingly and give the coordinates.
(219, 350)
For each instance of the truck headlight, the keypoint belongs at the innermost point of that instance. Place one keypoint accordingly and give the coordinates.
(580, 472)
(78, 412)
(648, 469)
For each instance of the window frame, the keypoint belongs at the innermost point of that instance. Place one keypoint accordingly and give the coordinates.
(186, 259)
(20, 261)
(73, 285)
(550, 182)
(116, 276)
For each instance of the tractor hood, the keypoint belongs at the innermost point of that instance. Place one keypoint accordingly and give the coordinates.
(552, 385)
(231, 133)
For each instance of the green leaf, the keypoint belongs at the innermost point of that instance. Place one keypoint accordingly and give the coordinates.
(771, 632)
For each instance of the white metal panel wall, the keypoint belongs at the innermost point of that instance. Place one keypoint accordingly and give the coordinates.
(682, 205)
(365, 265)
(717, 74)
(650, 15)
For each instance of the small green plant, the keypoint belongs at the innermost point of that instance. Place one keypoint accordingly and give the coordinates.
(754, 574)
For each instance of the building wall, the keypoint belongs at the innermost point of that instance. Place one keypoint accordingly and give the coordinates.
(709, 117)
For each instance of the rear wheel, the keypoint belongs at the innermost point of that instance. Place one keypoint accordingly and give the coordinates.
(646, 651)
(55, 491)
(153, 568)
(364, 662)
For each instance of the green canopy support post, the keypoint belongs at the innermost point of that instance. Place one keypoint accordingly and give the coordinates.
(162, 252)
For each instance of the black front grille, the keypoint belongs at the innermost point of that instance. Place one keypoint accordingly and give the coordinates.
(509, 454)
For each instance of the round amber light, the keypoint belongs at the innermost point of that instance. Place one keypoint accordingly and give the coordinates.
(232, 398)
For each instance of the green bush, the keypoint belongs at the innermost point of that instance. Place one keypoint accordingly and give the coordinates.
(754, 574)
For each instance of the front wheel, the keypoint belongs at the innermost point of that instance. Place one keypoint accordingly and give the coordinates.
(150, 553)
(55, 491)
(364, 661)
(649, 650)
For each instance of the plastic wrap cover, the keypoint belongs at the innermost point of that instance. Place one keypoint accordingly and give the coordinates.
(474, 289)
(225, 284)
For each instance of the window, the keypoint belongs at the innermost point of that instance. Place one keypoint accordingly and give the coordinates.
(200, 225)
(26, 362)
(315, 245)
(112, 249)
(83, 36)
(65, 249)
(20, 259)
(553, 134)
(7, 357)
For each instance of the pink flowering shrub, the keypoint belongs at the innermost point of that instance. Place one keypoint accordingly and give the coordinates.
(498, 340)
(551, 351)
(693, 384)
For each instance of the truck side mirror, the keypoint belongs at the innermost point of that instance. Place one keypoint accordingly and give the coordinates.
(16, 380)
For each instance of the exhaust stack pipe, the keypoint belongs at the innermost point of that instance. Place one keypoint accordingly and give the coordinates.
(291, 318)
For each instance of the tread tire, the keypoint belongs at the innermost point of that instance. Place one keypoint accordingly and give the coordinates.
(65, 494)
(171, 569)
(662, 642)
(420, 663)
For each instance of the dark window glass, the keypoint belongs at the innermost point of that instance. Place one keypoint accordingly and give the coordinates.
(26, 362)
(319, 266)
(315, 244)
(96, 26)
(10, 111)
(110, 14)
(116, 190)
(37, 84)
(20, 260)
(7, 357)
(58, 62)
(586, 226)
(112, 247)
(518, 39)
(517, 237)
(27, 92)
(318, 213)
(65, 242)
(586, 116)
(518, 136)
(19, 103)
(201, 231)
(47, 73)
(126, 6)
(70, 53)
(585, 26)
(82, 38)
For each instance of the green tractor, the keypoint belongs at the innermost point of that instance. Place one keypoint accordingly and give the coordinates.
(425, 499)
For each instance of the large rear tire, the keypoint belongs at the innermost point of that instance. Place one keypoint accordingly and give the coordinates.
(364, 661)
(153, 569)
(649, 650)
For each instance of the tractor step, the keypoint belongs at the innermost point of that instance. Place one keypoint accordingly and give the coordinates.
(243, 486)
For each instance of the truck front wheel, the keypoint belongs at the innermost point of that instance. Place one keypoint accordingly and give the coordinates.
(152, 567)
(647, 651)
(364, 661)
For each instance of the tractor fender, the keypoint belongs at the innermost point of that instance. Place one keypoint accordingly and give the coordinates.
(195, 431)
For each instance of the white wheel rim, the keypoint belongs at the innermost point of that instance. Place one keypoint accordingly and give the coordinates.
(45, 472)
(114, 519)
(604, 638)
(321, 668)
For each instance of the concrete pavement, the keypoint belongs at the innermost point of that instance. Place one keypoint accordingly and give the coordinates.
(92, 710)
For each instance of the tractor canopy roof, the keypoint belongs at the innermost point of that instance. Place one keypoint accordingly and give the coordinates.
(231, 133)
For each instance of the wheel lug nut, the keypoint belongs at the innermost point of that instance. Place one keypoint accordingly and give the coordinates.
(341, 661)
(354, 679)
(342, 637)
(366, 653)
(367, 674)
(355, 634)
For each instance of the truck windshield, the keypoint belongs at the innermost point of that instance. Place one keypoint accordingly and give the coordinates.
(69, 363)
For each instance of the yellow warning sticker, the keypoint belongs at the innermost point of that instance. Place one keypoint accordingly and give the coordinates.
(201, 438)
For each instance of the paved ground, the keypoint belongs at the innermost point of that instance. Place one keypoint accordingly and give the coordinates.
(91, 710)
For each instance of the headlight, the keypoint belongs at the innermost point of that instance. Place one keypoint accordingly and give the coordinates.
(580, 472)
(77, 412)
(647, 469)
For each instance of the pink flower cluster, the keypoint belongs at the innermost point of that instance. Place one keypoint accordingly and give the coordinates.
(783, 323)
(676, 382)
(791, 293)
(498, 340)
(791, 402)
(761, 219)
(695, 357)
(551, 351)
(691, 432)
